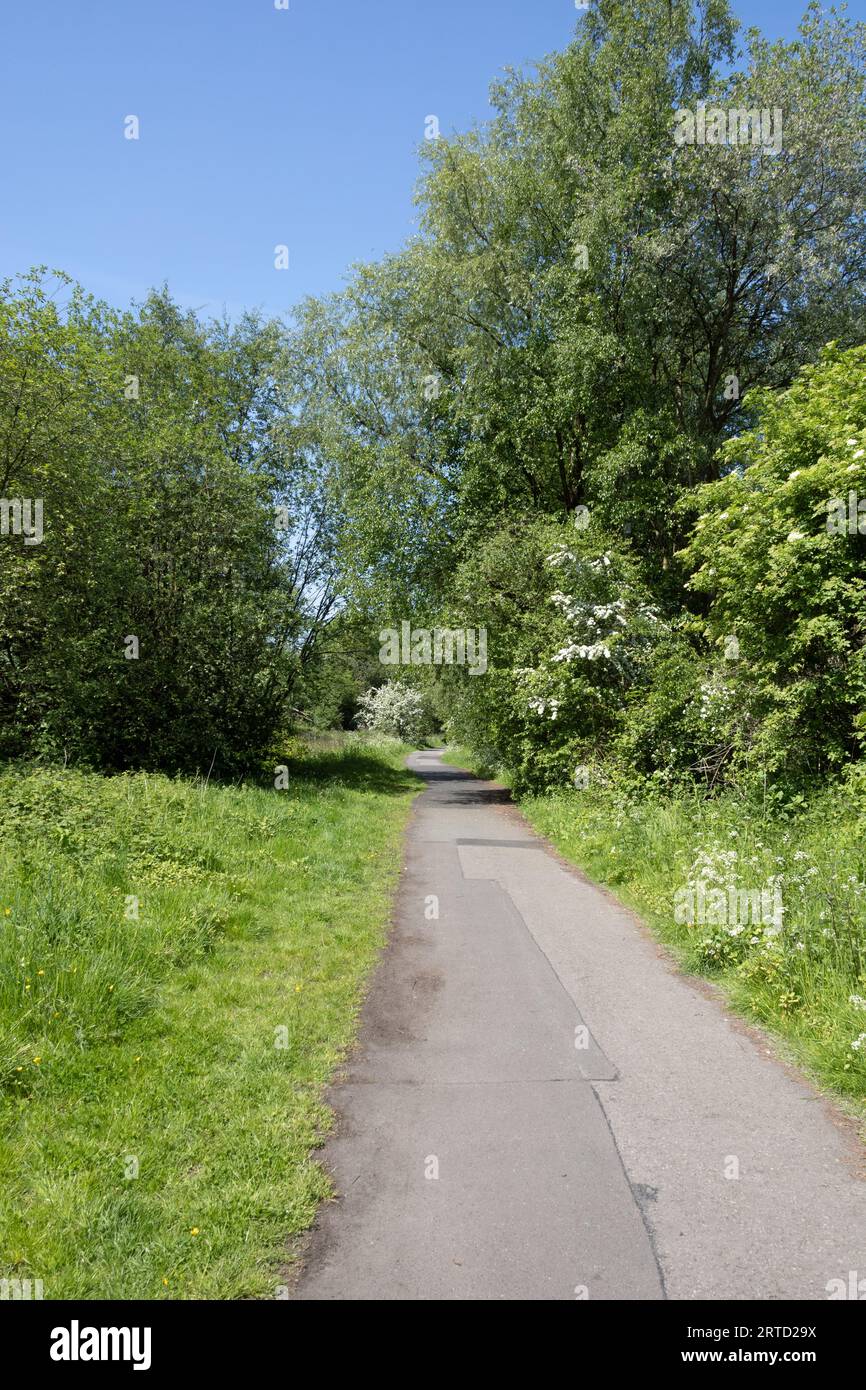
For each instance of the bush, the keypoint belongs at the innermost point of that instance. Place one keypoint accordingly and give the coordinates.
(783, 574)
(155, 621)
(394, 709)
(573, 639)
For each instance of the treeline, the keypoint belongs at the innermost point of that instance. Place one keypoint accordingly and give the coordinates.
(162, 610)
(603, 404)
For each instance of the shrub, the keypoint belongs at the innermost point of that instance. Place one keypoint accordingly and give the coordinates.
(783, 574)
(395, 709)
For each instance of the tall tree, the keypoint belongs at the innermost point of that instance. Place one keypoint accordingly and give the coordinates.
(589, 299)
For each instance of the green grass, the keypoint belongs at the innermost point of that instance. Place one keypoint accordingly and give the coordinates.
(161, 1077)
(797, 982)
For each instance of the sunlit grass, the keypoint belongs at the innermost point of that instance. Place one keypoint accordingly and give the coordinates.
(180, 973)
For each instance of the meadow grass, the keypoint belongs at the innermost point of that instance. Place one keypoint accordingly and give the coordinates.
(181, 969)
(804, 980)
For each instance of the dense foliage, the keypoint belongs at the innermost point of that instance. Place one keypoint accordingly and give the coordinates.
(590, 409)
(161, 617)
(778, 550)
(587, 407)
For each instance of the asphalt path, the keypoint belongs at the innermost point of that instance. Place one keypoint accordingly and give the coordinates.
(542, 1107)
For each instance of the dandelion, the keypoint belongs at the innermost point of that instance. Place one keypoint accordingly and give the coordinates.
(193, 1230)
(36, 1061)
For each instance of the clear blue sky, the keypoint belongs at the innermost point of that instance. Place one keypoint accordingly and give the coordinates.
(258, 126)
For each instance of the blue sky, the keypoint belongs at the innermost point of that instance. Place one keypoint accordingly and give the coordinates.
(258, 127)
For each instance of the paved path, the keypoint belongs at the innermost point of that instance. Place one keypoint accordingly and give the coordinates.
(579, 1100)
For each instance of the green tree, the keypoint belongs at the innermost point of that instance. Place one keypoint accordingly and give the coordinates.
(182, 577)
(588, 301)
(778, 555)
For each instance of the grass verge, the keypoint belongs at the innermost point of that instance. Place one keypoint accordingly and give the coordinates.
(181, 968)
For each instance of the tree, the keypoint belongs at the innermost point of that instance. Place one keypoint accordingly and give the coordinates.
(778, 554)
(182, 576)
(589, 301)
(395, 709)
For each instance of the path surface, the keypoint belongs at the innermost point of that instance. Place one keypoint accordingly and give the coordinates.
(563, 1168)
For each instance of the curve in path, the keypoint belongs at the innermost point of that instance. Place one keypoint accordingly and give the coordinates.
(541, 1107)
